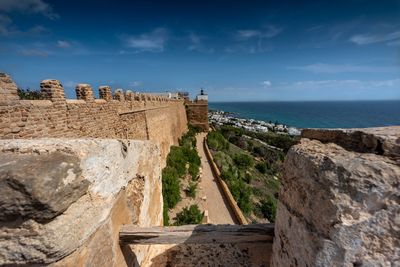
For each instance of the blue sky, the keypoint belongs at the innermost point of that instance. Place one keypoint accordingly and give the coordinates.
(235, 50)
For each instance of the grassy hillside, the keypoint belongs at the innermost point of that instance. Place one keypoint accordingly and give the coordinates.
(251, 165)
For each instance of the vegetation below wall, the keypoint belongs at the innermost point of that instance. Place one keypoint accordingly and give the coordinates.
(28, 94)
(183, 162)
(251, 165)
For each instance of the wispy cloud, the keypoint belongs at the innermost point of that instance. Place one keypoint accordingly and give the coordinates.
(267, 83)
(348, 84)
(252, 41)
(311, 90)
(154, 41)
(63, 44)
(197, 44)
(135, 84)
(393, 43)
(7, 28)
(34, 52)
(28, 6)
(333, 68)
(268, 31)
(364, 39)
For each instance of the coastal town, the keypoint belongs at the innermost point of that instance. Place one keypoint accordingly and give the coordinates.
(220, 118)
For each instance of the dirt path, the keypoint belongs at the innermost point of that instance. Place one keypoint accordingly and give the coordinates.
(218, 209)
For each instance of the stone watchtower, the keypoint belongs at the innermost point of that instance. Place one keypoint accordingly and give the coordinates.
(197, 111)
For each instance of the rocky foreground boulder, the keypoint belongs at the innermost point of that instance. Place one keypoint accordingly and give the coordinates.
(339, 203)
(62, 201)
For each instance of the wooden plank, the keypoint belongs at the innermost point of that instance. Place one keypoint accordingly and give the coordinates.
(197, 234)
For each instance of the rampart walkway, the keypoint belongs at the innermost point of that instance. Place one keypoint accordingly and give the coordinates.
(218, 208)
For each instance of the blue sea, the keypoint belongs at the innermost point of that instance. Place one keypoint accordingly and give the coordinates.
(314, 114)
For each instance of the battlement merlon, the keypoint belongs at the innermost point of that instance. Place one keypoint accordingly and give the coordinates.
(8, 89)
(52, 90)
(84, 91)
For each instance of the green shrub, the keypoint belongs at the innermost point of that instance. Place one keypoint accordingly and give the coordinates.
(191, 190)
(241, 192)
(243, 161)
(176, 159)
(229, 175)
(194, 171)
(248, 178)
(262, 167)
(191, 215)
(278, 140)
(229, 131)
(165, 215)
(217, 141)
(268, 208)
(170, 187)
(273, 184)
(192, 156)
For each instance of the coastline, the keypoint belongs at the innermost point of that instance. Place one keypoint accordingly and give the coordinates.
(221, 117)
(317, 114)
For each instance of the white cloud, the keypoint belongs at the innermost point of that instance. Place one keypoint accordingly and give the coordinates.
(332, 68)
(268, 31)
(247, 34)
(135, 84)
(364, 39)
(267, 83)
(63, 44)
(28, 6)
(393, 43)
(34, 52)
(151, 42)
(345, 84)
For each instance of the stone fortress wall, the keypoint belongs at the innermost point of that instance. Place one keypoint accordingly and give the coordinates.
(197, 113)
(124, 115)
(74, 171)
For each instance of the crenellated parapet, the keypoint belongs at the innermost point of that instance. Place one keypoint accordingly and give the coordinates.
(129, 115)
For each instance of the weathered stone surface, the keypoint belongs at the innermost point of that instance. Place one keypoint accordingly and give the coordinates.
(380, 140)
(197, 113)
(114, 182)
(38, 186)
(339, 207)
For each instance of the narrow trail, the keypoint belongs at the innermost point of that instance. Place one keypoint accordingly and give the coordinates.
(218, 208)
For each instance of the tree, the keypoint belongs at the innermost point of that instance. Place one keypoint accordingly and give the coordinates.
(243, 161)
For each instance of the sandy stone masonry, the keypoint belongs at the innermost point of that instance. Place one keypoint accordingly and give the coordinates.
(125, 115)
(339, 201)
(197, 113)
(62, 201)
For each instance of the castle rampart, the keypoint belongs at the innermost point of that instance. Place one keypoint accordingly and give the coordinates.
(122, 115)
(197, 113)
